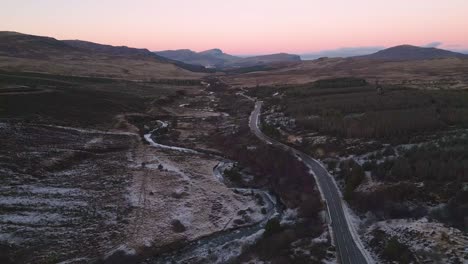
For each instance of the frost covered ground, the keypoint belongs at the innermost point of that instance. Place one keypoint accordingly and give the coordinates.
(62, 194)
(427, 240)
(182, 199)
(87, 194)
(431, 242)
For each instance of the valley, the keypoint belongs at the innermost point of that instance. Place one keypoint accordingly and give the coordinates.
(119, 155)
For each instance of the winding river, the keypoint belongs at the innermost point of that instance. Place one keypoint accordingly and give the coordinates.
(224, 245)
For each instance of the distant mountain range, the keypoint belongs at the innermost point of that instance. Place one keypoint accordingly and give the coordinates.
(70, 53)
(216, 58)
(408, 52)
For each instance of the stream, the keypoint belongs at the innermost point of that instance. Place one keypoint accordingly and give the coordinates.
(225, 245)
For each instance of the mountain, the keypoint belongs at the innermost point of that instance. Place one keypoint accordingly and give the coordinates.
(22, 52)
(218, 59)
(209, 58)
(266, 59)
(408, 52)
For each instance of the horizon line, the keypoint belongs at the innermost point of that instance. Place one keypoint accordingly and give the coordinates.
(301, 54)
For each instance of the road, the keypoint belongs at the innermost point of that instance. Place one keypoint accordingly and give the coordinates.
(347, 248)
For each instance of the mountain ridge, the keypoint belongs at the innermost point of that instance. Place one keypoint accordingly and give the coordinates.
(216, 58)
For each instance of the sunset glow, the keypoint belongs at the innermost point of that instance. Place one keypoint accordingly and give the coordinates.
(244, 26)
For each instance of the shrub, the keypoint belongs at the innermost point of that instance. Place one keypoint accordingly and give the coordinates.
(353, 179)
(270, 130)
(395, 251)
(273, 226)
(233, 174)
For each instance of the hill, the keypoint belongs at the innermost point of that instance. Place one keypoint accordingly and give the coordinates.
(22, 52)
(408, 52)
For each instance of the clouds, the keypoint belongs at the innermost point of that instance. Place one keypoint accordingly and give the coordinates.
(342, 52)
(434, 44)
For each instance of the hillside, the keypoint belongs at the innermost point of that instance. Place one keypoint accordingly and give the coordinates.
(22, 52)
(408, 52)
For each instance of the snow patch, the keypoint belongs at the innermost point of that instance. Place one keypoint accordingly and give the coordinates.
(32, 218)
(92, 131)
(157, 145)
(40, 201)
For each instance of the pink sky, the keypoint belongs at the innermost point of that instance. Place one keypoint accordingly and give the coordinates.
(243, 26)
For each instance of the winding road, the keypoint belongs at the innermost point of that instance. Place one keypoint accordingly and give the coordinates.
(346, 239)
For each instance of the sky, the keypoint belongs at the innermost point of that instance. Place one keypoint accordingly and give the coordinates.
(245, 26)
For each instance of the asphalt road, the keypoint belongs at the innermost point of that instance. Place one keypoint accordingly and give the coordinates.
(347, 249)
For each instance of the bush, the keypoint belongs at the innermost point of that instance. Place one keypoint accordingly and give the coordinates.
(272, 227)
(395, 251)
(354, 176)
(270, 130)
(368, 165)
(233, 174)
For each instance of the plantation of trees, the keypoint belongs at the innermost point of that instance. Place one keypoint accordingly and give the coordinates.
(363, 112)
